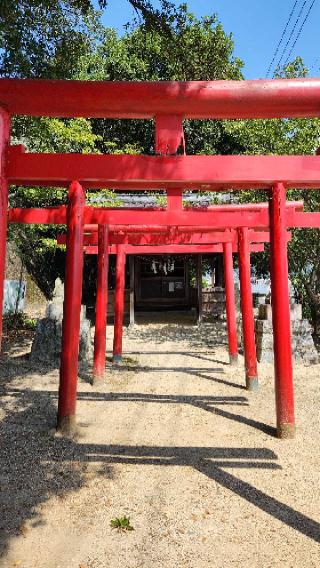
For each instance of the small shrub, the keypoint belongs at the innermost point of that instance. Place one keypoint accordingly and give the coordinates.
(121, 524)
(19, 320)
(129, 361)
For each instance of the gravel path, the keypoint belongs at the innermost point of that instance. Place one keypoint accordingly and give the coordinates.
(175, 443)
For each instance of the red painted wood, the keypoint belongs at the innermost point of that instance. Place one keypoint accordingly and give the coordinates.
(307, 220)
(264, 236)
(99, 359)
(195, 99)
(169, 134)
(188, 219)
(235, 208)
(71, 309)
(230, 302)
(91, 239)
(176, 249)
(249, 343)
(164, 239)
(228, 216)
(45, 216)
(119, 303)
(4, 141)
(256, 219)
(161, 172)
(174, 198)
(281, 314)
(141, 217)
(166, 218)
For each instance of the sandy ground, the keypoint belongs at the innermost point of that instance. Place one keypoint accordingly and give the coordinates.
(176, 444)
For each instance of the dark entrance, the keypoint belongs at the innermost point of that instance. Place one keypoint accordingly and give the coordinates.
(161, 282)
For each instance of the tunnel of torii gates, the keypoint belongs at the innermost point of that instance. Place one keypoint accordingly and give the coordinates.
(98, 240)
(168, 104)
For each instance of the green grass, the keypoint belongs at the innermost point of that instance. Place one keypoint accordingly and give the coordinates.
(129, 361)
(19, 320)
(121, 524)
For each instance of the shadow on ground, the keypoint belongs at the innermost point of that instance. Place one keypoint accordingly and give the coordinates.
(195, 354)
(35, 465)
(194, 335)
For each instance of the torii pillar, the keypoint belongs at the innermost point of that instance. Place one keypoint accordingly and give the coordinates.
(119, 303)
(230, 303)
(249, 343)
(4, 142)
(99, 358)
(71, 311)
(281, 314)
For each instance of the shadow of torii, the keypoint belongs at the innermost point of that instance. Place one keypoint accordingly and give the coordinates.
(194, 354)
(213, 463)
(207, 403)
(40, 469)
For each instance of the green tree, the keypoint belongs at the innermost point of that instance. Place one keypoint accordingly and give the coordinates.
(293, 136)
(195, 49)
(45, 38)
(36, 243)
(186, 48)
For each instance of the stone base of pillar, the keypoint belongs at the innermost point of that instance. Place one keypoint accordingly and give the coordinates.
(67, 426)
(286, 431)
(233, 360)
(252, 384)
(98, 376)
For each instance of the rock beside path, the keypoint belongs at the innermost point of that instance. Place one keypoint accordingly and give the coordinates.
(46, 346)
(303, 349)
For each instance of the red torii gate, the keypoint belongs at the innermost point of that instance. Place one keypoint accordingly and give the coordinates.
(101, 303)
(132, 236)
(128, 238)
(169, 104)
(97, 241)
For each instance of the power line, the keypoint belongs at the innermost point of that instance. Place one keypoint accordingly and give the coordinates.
(300, 31)
(291, 33)
(282, 36)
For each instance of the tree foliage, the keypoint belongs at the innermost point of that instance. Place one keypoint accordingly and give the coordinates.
(42, 38)
(289, 137)
(45, 38)
(36, 243)
(168, 43)
(66, 39)
(197, 49)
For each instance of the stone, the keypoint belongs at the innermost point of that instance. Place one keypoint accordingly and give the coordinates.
(58, 292)
(265, 356)
(296, 312)
(213, 304)
(265, 312)
(214, 324)
(54, 311)
(46, 346)
(303, 348)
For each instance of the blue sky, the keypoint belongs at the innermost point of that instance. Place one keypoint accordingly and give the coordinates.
(256, 26)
